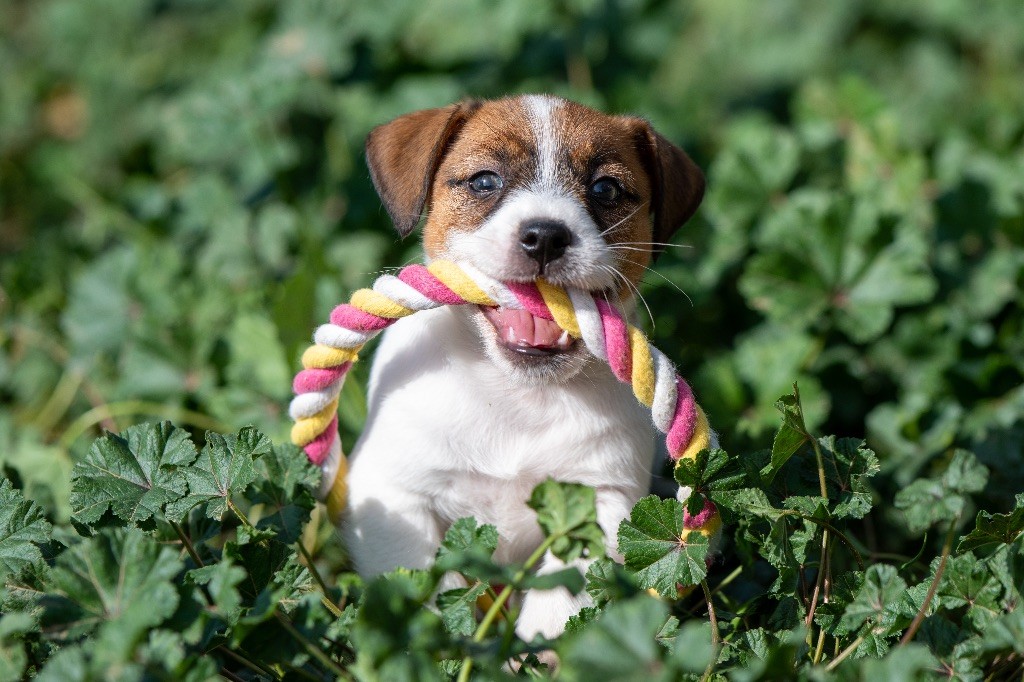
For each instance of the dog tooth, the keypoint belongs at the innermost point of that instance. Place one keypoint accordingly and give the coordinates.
(512, 336)
(563, 340)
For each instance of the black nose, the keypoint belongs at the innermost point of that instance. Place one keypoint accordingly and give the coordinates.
(544, 240)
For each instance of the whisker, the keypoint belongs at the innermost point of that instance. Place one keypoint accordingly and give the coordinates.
(631, 214)
(616, 273)
(621, 247)
(678, 246)
(674, 285)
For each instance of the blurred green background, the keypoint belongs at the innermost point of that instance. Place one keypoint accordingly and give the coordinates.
(183, 199)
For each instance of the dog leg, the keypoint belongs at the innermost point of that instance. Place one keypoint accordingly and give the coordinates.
(389, 528)
(545, 612)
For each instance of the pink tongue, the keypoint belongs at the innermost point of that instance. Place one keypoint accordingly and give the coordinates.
(528, 330)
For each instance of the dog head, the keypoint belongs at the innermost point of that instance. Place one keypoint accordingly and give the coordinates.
(534, 186)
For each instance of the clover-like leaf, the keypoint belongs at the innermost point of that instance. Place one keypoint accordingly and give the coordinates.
(568, 510)
(877, 600)
(285, 481)
(620, 645)
(113, 586)
(221, 581)
(224, 468)
(608, 580)
(22, 528)
(653, 545)
(848, 466)
(710, 470)
(468, 548)
(135, 475)
(926, 502)
(458, 606)
(992, 530)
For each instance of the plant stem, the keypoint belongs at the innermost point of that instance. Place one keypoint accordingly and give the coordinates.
(834, 663)
(821, 465)
(819, 580)
(820, 647)
(187, 543)
(823, 567)
(59, 401)
(238, 512)
(252, 665)
(947, 547)
(503, 596)
(716, 638)
(324, 597)
(312, 648)
(727, 579)
(839, 535)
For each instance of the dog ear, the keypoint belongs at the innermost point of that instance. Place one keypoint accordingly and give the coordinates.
(404, 155)
(677, 183)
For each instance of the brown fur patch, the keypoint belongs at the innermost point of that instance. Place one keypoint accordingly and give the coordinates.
(660, 182)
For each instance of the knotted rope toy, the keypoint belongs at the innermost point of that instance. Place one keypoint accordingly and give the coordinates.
(584, 315)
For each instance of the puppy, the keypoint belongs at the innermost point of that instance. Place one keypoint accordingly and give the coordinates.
(470, 408)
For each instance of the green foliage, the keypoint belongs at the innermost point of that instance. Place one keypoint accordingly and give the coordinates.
(216, 576)
(182, 200)
(651, 542)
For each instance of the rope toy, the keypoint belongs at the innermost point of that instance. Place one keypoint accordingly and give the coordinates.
(584, 315)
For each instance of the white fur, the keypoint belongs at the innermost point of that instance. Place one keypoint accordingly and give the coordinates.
(450, 435)
(495, 250)
(540, 110)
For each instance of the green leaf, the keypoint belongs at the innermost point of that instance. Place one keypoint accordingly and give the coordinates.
(22, 528)
(848, 466)
(965, 474)
(569, 577)
(620, 645)
(135, 475)
(285, 476)
(747, 502)
(992, 530)
(224, 468)
(567, 510)
(221, 581)
(968, 582)
(468, 548)
(400, 653)
(691, 647)
(285, 481)
(710, 470)
(877, 600)
(13, 627)
(113, 587)
(926, 502)
(904, 664)
(652, 545)
(608, 580)
(458, 606)
(791, 435)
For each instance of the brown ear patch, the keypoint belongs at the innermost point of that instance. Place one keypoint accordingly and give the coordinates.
(404, 155)
(677, 183)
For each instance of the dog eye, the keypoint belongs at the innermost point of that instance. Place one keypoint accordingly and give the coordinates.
(485, 183)
(606, 191)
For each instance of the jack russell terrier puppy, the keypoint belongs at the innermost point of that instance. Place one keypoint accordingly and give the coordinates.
(470, 408)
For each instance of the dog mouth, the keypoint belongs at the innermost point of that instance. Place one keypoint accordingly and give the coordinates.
(521, 332)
